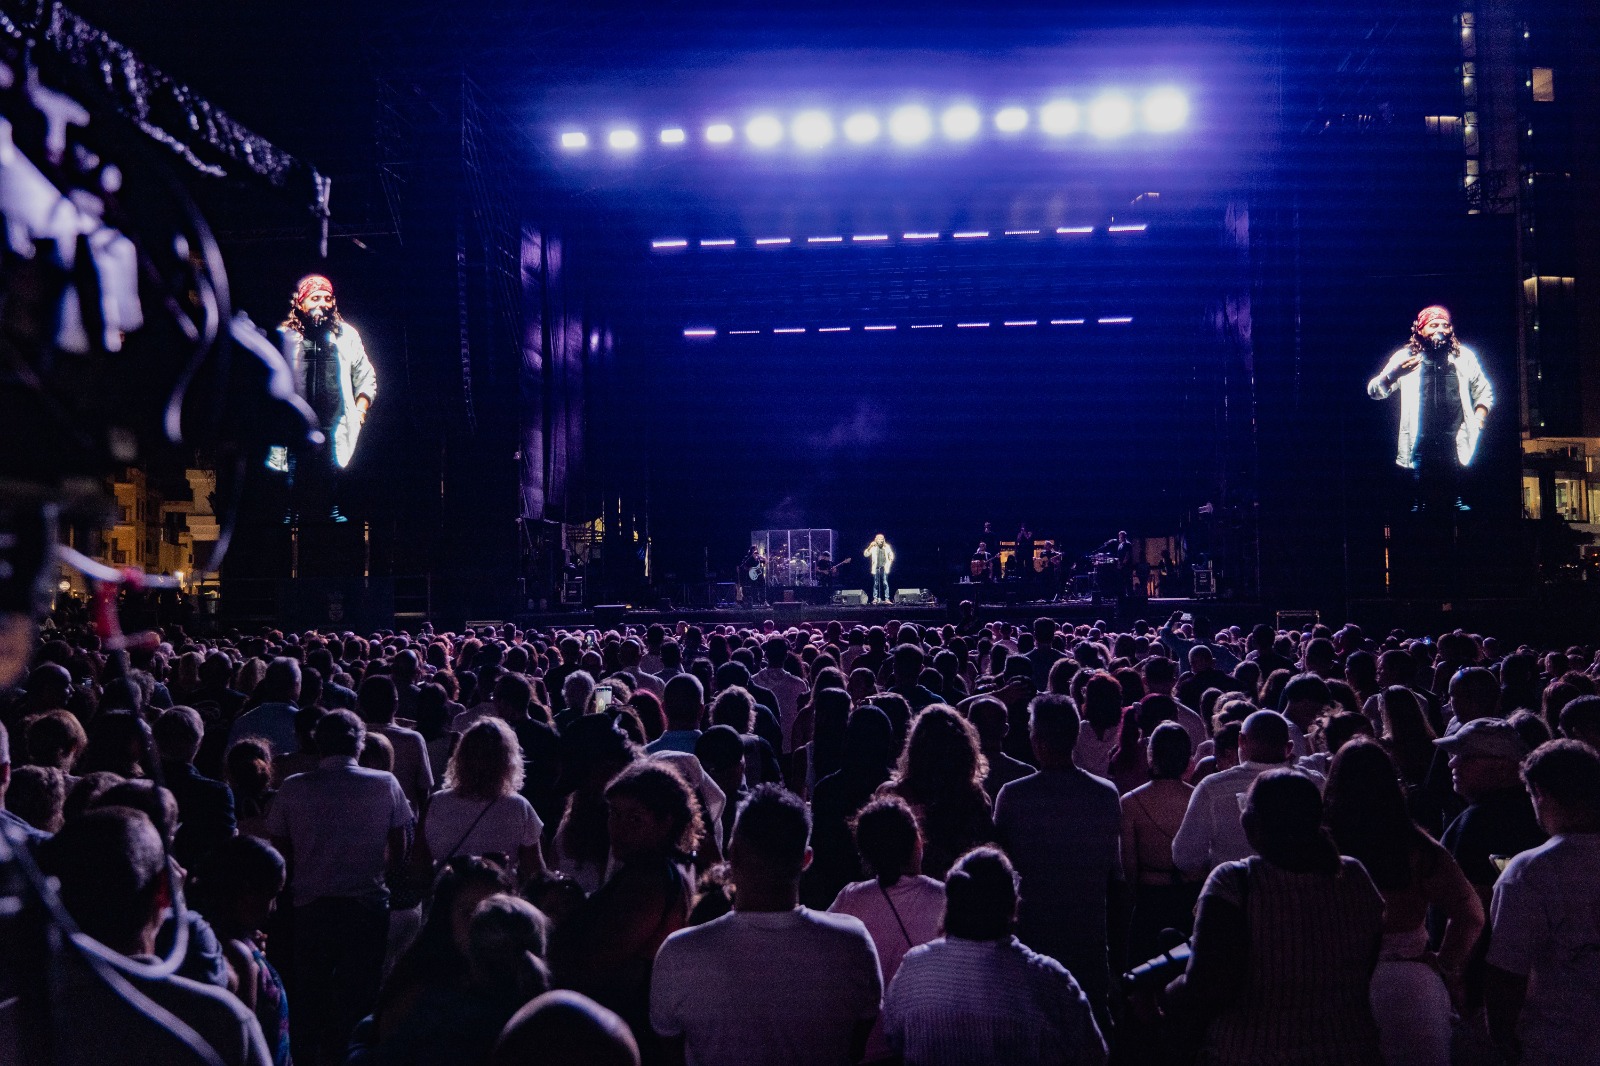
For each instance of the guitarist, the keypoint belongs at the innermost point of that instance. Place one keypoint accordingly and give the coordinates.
(753, 576)
(826, 568)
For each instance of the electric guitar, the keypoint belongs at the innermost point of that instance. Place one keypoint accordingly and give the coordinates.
(835, 568)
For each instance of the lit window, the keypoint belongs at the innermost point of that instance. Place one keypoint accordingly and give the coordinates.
(1544, 85)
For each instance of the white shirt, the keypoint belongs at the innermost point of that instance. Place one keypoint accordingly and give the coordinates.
(769, 987)
(788, 689)
(976, 1002)
(916, 917)
(1212, 833)
(337, 819)
(507, 825)
(412, 768)
(650, 682)
(1093, 754)
(1546, 915)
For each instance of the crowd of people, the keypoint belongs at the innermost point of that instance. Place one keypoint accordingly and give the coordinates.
(968, 843)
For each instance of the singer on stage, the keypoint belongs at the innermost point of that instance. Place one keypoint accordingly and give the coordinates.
(881, 558)
(337, 380)
(1444, 401)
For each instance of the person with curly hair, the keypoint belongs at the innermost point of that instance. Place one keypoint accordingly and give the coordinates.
(940, 774)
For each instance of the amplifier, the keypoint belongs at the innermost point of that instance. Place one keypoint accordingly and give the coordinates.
(913, 596)
(850, 598)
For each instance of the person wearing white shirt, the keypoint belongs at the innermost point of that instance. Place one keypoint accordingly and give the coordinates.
(1211, 833)
(342, 828)
(770, 982)
(1543, 984)
(785, 686)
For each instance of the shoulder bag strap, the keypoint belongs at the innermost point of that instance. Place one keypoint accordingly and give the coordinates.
(896, 912)
(447, 856)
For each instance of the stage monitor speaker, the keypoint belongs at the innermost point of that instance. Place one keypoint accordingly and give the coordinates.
(912, 596)
(788, 611)
(609, 615)
(1297, 619)
(725, 592)
(850, 598)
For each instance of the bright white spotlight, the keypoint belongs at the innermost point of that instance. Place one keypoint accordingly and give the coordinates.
(1110, 115)
(960, 122)
(1059, 118)
(574, 139)
(812, 129)
(719, 133)
(763, 131)
(623, 140)
(1165, 110)
(1011, 119)
(862, 127)
(911, 124)
(673, 136)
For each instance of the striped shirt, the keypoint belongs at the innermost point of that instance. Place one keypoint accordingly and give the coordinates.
(971, 1002)
(1313, 944)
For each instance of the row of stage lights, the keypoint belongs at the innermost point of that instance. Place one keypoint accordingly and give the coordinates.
(1107, 116)
(911, 237)
(707, 332)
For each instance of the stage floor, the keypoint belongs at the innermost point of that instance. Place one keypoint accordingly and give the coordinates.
(1213, 613)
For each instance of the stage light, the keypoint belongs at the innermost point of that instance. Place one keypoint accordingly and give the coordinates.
(743, 332)
(966, 235)
(1165, 110)
(699, 333)
(1011, 120)
(824, 240)
(1120, 320)
(919, 236)
(1024, 322)
(673, 242)
(1074, 229)
(763, 131)
(929, 325)
(721, 242)
(1022, 233)
(574, 139)
(972, 325)
(834, 329)
(764, 241)
(1127, 228)
(719, 133)
(623, 140)
(870, 237)
(1066, 321)
(1059, 118)
(1111, 115)
(812, 129)
(673, 136)
(791, 329)
(910, 125)
(960, 122)
(862, 127)
(876, 329)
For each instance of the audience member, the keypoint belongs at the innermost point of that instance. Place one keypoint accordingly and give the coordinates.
(1543, 981)
(744, 988)
(1062, 826)
(345, 831)
(900, 906)
(1285, 940)
(978, 995)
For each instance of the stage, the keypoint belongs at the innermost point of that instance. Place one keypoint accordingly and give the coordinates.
(1215, 613)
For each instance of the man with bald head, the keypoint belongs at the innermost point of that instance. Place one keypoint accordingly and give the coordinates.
(1211, 832)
